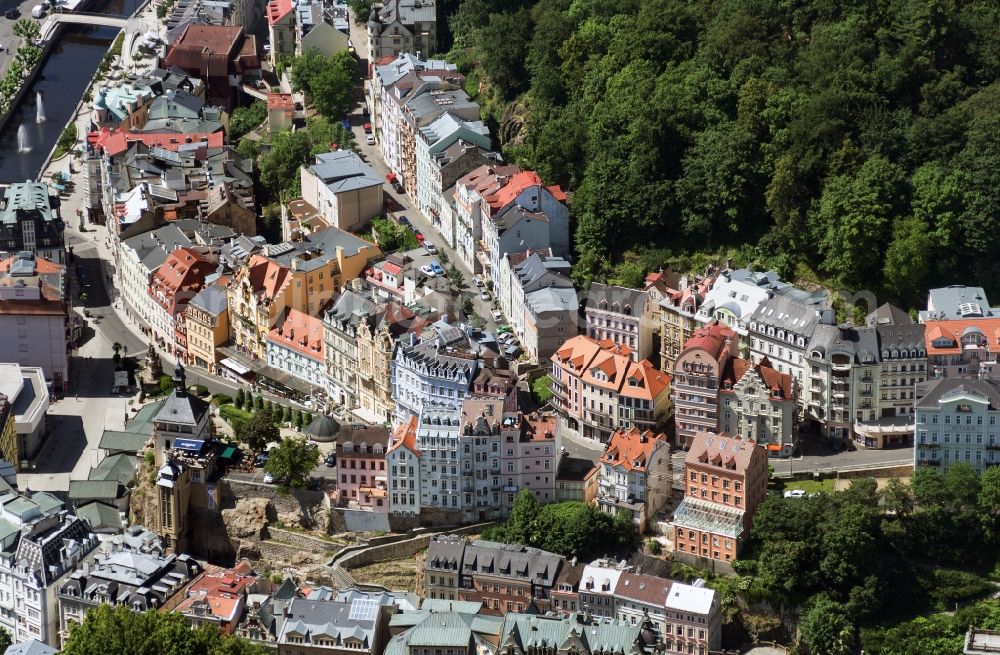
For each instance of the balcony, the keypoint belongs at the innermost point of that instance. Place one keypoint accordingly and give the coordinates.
(930, 445)
(993, 446)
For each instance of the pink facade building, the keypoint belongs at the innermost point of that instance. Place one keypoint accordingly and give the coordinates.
(361, 473)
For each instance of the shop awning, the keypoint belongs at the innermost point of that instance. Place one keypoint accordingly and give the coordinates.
(235, 366)
(227, 452)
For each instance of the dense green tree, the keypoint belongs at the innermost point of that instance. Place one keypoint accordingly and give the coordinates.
(332, 87)
(292, 462)
(360, 10)
(307, 68)
(259, 431)
(240, 398)
(246, 119)
(26, 29)
(120, 630)
(827, 628)
(279, 166)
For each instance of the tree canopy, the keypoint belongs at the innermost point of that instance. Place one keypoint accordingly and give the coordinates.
(329, 80)
(292, 462)
(117, 629)
(785, 133)
(260, 430)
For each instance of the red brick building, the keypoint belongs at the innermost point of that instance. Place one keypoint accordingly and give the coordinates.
(725, 480)
(221, 55)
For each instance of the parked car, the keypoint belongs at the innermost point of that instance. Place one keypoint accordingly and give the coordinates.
(497, 315)
(427, 270)
(346, 124)
(419, 236)
(430, 248)
(402, 220)
(330, 460)
(368, 128)
(436, 268)
(478, 280)
(260, 460)
(13, 13)
(795, 493)
(369, 139)
(484, 294)
(268, 478)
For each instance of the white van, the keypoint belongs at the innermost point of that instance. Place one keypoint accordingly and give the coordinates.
(38, 11)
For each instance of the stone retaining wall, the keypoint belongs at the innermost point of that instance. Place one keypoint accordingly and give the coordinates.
(400, 549)
(302, 541)
(296, 500)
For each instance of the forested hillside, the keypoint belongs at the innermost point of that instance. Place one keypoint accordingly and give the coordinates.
(858, 140)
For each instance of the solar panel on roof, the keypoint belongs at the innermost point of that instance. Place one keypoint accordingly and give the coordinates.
(363, 609)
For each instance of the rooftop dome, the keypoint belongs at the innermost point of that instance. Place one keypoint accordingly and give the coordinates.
(322, 428)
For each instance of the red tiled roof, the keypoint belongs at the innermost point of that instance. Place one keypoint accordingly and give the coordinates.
(581, 355)
(712, 339)
(730, 452)
(266, 275)
(953, 331)
(213, 50)
(115, 142)
(277, 9)
(631, 448)
(509, 192)
(283, 101)
(179, 279)
(300, 332)
(405, 434)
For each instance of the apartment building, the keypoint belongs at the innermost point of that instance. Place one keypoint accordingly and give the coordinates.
(41, 546)
(759, 403)
(402, 463)
(34, 320)
(303, 275)
(524, 634)
(957, 302)
(435, 372)
(634, 475)
(445, 626)
(31, 222)
(443, 170)
(565, 593)
(361, 468)
(180, 277)
(222, 56)
(207, 321)
(725, 480)
(698, 372)
(598, 388)
(522, 213)
(537, 296)
(735, 296)
(402, 26)
(621, 315)
(26, 393)
(470, 192)
(312, 626)
(781, 327)
(530, 449)
(576, 479)
(140, 579)
(296, 354)
(503, 577)
(597, 588)
(956, 421)
(481, 425)
(340, 334)
(344, 190)
(376, 341)
(470, 138)
(685, 618)
(677, 315)
(282, 30)
(398, 80)
(218, 596)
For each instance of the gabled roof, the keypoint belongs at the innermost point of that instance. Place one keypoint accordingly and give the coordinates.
(631, 449)
(729, 452)
(300, 332)
(278, 9)
(405, 436)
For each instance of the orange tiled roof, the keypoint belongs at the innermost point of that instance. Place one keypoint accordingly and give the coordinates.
(277, 9)
(300, 332)
(266, 275)
(582, 356)
(115, 142)
(953, 331)
(180, 278)
(522, 180)
(282, 101)
(711, 338)
(730, 452)
(405, 434)
(631, 448)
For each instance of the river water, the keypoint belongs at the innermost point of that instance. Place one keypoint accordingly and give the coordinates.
(65, 75)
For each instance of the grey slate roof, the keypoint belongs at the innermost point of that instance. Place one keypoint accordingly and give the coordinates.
(445, 553)
(338, 621)
(901, 337)
(182, 408)
(616, 296)
(101, 517)
(930, 394)
(511, 560)
(789, 312)
(325, 241)
(552, 299)
(957, 301)
(343, 170)
(525, 633)
(860, 343)
(211, 299)
(350, 309)
(888, 314)
(31, 647)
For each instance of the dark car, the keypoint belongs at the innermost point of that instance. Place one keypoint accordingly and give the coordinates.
(330, 461)
(260, 460)
(12, 14)
(404, 221)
